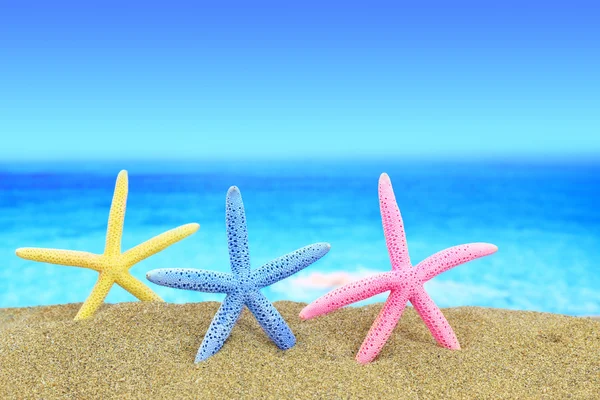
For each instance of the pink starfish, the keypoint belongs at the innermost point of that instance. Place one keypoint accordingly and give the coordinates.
(404, 282)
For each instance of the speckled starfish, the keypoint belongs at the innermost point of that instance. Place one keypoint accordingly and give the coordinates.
(112, 265)
(404, 282)
(243, 286)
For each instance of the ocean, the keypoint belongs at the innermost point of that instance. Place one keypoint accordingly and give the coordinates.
(544, 218)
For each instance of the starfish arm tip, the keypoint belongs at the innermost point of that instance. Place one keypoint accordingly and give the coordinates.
(362, 360)
(291, 342)
(27, 253)
(385, 183)
(304, 315)
(154, 275)
(203, 353)
(233, 191)
(315, 309)
(80, 317)
(220, 326)
(487, 246)
(188, 229)
(122, 177)
(321, 249)
(484, 249)
(200, 359)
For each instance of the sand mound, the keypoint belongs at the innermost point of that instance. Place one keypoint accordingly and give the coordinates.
(146, 351)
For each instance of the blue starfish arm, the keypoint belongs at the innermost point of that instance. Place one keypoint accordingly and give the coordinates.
(289, 264)
(193, 279)
(237, 233)
(221, 326)
(270, 320)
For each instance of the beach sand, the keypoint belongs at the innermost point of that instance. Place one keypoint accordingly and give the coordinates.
(146, 351)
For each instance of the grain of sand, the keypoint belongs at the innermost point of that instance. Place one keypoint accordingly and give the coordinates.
(146, 351)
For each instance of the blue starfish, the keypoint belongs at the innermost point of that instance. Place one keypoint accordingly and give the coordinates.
(243, 286)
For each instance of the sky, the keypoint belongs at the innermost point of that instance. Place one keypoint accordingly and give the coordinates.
(257, 80)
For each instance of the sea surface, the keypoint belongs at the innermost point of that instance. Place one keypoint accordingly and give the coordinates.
(544, 218)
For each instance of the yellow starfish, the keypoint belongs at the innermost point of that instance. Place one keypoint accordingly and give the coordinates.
(112, 265)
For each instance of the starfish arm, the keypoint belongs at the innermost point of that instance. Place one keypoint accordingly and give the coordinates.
(96, 298)
(382, 328)
(271, 320)
(221, 326)
(137, 288)
(434, 319)
(193, 279)
(61, 257)
(116, 216)
(451, 257)
(158, 243)
(349, 293)
(393, 227)
(289, 264)
(237, 233)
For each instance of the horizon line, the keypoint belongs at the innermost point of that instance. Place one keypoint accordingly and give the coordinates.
(268, 166)
(455, 157)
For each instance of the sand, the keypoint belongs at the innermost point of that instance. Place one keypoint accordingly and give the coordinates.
(146, 351)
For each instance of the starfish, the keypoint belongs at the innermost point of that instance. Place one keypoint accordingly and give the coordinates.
(112, 265)
(404, 282)
(243, 285)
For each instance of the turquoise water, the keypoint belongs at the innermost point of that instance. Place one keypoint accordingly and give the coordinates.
(545, 220)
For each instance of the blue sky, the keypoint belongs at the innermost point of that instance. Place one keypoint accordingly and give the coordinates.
(204, 80)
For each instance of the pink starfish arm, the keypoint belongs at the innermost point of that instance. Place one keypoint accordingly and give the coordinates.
(347, 294)
(393, 228)
(434, 319)
(382, 328)
(451, 257)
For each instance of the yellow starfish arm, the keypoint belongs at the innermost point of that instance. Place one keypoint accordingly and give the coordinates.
(72, 258)
(116, 217)
(158, 243)
(137, 288)
(96, 298)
